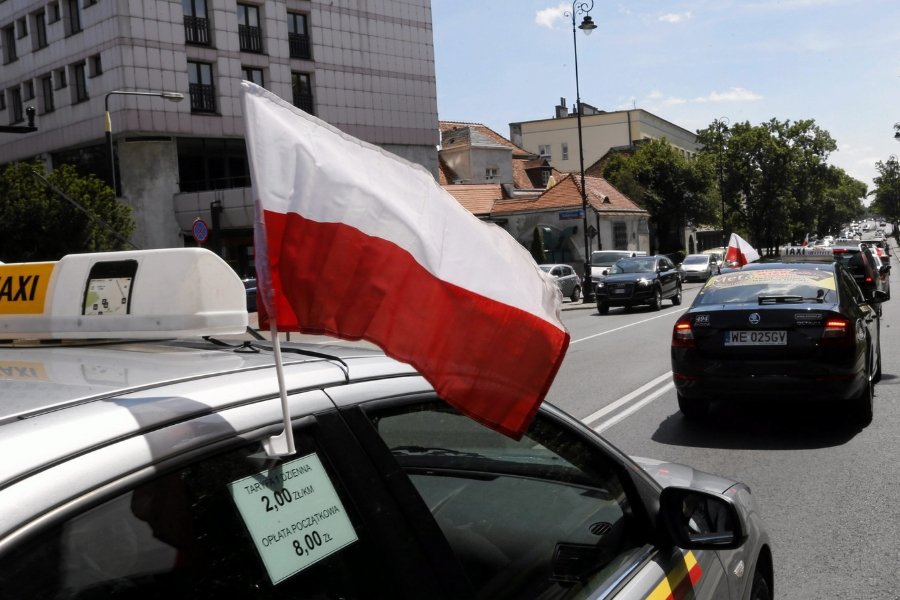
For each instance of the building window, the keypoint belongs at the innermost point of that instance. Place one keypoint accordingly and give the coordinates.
(196, 22)
(2, 101)
(565, 151)
(16, 114)
(22, 26)
(212, 164)
(248, 28)
(298, 36)
(544, 151)
(203, 93)
(96, 67)
(545, 177)
(9, 44)
(47, 105)
(28, 90)
(61, 80)
(254, 75)
(79, 79)
(39, 26)
(301, 91)
(490, 173)
(72, 16)
(620, 236)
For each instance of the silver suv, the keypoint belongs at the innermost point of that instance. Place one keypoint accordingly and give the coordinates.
(142, 467)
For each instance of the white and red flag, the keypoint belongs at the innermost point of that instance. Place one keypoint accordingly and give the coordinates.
(806, 240)
(357, 243)
(740, 251)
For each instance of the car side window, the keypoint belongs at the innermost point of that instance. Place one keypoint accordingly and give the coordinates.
(546, 516)
(180, 535)
(851, 287)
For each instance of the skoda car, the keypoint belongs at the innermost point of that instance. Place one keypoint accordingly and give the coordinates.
(639, 280)
(779, 330)
(154, 462)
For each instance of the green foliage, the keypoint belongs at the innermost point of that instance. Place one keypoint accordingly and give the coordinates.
(887, 189)
(537, 246)
(36, 224)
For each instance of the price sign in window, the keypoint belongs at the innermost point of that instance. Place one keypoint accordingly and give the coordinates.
(293, 514)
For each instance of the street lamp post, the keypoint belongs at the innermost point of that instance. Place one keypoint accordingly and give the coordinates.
(171, 96)
(587, 26)
(720, 134)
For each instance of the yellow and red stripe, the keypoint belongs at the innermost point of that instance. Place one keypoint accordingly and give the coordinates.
(680, 581)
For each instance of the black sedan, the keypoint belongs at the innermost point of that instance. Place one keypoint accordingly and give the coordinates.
(639, 280)
(779, 330)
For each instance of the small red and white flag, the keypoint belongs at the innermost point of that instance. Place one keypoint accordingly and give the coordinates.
(740, 251)
(806, 240)
(357, 243)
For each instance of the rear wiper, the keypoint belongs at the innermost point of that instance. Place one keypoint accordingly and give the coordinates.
(792, 299)
(419, 450)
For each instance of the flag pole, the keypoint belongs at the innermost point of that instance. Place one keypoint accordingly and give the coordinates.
(282, 444)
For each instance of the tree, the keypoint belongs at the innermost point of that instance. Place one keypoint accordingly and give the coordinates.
(37, 224)
(887, 190)
(671, 188)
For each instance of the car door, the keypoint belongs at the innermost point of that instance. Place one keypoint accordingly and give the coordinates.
(668, 276)
(554, 515)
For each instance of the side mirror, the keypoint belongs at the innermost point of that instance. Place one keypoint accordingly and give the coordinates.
(879, 296)
(699, 520)
(884, 269)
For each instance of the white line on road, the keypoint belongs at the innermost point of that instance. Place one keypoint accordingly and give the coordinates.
(613, 406)
(590, 337)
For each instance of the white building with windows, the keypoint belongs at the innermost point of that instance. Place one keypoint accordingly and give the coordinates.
(366, 67)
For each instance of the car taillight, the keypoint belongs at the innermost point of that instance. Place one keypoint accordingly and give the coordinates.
(683, 334)
(838, 331)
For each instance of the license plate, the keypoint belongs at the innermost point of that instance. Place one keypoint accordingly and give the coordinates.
(756, 338)
(619, 291)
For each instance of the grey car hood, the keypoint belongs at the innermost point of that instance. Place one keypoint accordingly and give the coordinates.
(674, 474)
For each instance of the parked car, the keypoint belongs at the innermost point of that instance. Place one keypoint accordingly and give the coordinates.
(698, 267)
(567, 279)
(779, 330)
(145, 468)
(639, 280)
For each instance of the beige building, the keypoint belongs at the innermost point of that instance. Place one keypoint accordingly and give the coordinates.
(366, 67)
(556, 139)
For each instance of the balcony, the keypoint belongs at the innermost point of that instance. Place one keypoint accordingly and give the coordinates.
(299, 45)
(251, 38)
(203, 98)
(196, 30)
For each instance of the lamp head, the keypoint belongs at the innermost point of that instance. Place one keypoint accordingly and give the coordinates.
(173, 96)
(587, 25)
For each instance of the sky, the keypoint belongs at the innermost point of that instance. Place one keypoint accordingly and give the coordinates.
(687, 61)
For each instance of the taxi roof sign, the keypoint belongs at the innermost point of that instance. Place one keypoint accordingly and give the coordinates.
(140, 294)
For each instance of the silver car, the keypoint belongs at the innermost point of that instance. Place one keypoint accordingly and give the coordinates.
(567, 279)
(144, 468)
(698, 267)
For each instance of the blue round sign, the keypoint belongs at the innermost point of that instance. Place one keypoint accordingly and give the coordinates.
(200, 230)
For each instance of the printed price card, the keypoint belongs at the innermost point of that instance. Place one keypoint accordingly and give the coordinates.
(293, 514)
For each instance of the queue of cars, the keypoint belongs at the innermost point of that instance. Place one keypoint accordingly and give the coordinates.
(139, 432)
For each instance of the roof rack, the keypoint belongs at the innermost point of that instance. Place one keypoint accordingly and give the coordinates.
(141, 294)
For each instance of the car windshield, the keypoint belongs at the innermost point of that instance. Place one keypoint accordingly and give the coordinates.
(545, 268)
(635, 265)
(695, 260)
(605, 259)
(769, 286)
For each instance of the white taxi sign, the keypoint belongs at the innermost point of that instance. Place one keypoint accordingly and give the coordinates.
(293, 514)
(141, 294)
(806, 251)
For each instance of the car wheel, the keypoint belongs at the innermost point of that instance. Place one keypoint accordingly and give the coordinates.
(656, 302)
(676, 299)
(760, 589)
(576, 294)
(692, 409)
(603, 308)
(864, 403)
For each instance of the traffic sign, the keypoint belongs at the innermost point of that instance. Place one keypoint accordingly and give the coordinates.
(200, 230)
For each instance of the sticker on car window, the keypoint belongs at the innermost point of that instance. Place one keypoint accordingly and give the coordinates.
(293, 514)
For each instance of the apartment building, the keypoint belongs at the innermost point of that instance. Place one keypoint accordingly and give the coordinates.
(365, 66)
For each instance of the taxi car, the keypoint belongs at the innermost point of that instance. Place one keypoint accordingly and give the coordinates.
(796, 328)
(639, 280)
(142, 437)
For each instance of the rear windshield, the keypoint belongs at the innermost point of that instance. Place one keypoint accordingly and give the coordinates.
(776, 286)
(695, 260)
(605, 259)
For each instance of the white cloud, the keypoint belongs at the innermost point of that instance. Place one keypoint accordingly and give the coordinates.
(547, 17)
(675, 17)
(735, 94)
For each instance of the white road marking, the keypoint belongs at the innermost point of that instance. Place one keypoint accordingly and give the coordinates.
(590, 337)
(665, 378)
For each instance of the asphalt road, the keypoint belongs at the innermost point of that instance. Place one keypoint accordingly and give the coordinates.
(827, 490)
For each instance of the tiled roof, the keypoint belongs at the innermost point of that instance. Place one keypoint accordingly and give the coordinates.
(477, 198)
(566, 194)
(487, 132)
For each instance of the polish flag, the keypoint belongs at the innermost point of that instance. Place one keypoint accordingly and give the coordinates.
(806, 240)
(357, 243)
(740, 251)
